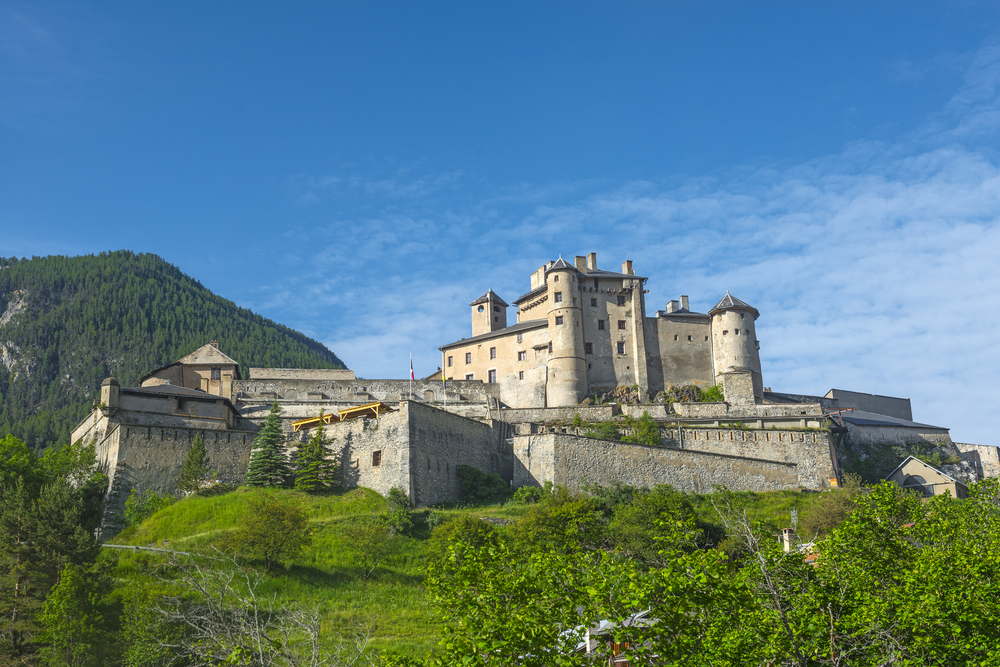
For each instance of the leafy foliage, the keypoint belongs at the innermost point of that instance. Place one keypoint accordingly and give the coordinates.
(270, 531)
(478, 487)
(141, 506)
(711, 395)
(117, 314)
(604, 431)
(645, 431)
(268, 464)
(78, 619)
(399, 514)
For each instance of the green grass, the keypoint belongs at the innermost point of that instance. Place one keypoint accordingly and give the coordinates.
(773, 509)
(325, 575)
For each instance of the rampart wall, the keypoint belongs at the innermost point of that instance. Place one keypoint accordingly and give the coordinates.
(353, 391)
(985, 458)
(897, 435)
(573, 460)
(150, 458)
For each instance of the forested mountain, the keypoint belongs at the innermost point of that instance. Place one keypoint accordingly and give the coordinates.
(66, 323)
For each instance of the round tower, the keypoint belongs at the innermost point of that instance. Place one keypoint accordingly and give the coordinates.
(567, 366)
(735, 349)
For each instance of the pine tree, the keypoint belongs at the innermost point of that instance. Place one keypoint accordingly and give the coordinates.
(268, 464)
(195, 468)
(314, 470)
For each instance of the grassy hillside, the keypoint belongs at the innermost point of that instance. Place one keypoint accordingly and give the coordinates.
(393, 599)
(66, 323)
(326, 574)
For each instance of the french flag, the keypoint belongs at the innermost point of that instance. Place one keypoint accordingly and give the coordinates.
(411, 367)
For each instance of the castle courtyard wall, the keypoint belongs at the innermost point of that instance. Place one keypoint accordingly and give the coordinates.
(985, 458)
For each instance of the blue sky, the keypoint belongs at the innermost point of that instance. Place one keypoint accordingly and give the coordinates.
(363, 171)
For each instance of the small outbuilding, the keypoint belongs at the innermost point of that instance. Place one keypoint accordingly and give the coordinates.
(914, 474)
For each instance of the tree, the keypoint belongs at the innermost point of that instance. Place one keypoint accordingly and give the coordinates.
(645, 430)
(564, 523)
(194, 470)
(268, 464)
(270, 530)
(315, 469)
(370, 542)
(77, 619)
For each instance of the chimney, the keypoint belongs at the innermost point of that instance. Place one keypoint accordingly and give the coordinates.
(581, 263)
(592, 261)
(627, 267)
(672, 306)
(684, 304)
(214, 343)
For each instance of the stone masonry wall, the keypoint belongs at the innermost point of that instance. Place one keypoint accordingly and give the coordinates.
(900, 435)
(441, 441)
(150, 458)
(361, 391)
(985, 458)
(572, 460)
(597, 413)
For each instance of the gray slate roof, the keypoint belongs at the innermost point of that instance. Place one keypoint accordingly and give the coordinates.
(862, 418)
(490, 296)
(730, 302)
(515, 328)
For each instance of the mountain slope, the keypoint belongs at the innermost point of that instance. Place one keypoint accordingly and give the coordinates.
(66, 323)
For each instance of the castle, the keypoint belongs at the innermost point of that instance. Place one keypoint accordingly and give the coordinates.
(512, 404)
(581, 329)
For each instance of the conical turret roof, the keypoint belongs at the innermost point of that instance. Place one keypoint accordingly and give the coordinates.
(561, 264)
(488, 297)
(730, 302)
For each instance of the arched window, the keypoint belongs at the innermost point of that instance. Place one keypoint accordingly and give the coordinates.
(918, 483)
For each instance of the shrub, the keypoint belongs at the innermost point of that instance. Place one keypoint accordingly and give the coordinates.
(532, 494)
(270, 530)
(564, 523)
(141, 506)
(604, 431)
(639, 527)
(478, 487)
(399, 515)
(711, 395)
(645, 431)
(465, 529)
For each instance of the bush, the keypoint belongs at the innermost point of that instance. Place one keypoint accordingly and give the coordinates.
(465, 529)
(831, 511)
(564, 523)
(711, 395)
(478, 487)
(639, 527)
(604, 431)
(270, 530)
(141, 506)
(399, 515)
(532, 494)
(645, 431)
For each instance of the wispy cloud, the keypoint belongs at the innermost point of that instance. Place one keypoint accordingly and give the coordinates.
(874, 268)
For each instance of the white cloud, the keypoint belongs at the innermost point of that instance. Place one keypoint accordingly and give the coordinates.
(874, 269)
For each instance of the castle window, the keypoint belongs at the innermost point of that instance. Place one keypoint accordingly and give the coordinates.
(595, 284)
(737, 332)
(450, 360)
(558, 297)
(621, 347)
(600, 324)
(496, 319)
(559, 319)
(593, 303)
(216, 373)
(550, 347)
(493, 353)
(469, 376)
(588, 348)
(377, 458)
(675, 336)
(621, 301)
(468, 358)
(706, 339)
(555, 279)
(689, 338)
(621, 324)
(496, 309)
(725, 332)
(520, 338)
(522, 355)
(480, 309)
(491, 376)
(520, 375)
